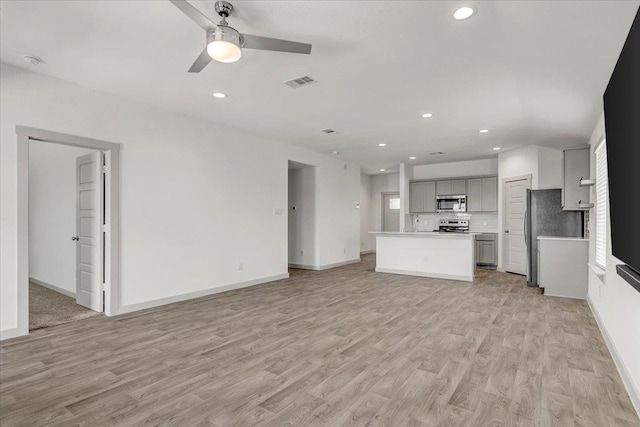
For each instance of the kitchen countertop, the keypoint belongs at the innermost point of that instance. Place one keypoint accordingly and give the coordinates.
(429, 234)
(572, 239)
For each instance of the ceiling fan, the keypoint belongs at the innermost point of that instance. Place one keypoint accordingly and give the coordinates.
(225, 43)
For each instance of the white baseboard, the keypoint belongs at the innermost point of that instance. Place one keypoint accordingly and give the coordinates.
(368, 252)
(421, 274)
(631, 387)
(53, 287)
(183, 297)
(324, 267)
(8, 333)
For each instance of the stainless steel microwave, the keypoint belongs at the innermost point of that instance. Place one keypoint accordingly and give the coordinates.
(454, 203)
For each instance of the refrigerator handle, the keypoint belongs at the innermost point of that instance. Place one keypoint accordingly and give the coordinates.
(525, 226)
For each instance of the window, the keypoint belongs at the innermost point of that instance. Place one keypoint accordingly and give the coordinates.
(602, 193)
(394, 203)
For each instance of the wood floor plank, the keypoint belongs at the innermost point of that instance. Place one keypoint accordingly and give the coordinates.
(345, 346)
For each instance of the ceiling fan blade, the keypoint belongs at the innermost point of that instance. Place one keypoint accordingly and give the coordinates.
(202, 61)
(266, 43)
(193, 13)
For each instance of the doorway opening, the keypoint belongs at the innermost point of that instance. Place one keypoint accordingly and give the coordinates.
(65, 233)
(68, 228)
(391, 212)
(301, 206)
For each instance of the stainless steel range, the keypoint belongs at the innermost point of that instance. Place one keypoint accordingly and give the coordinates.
(453, 226)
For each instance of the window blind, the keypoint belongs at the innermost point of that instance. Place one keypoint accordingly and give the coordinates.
(602, 194)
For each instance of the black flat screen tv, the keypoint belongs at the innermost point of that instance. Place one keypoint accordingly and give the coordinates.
(622, 128)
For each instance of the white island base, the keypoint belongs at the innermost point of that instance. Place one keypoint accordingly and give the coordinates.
(438, 255)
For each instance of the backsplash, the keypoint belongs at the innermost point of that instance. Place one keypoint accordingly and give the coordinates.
(477, 221)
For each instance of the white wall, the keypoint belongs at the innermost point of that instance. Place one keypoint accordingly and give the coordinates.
(367, 241)
(337, 193)
(52, 213)
(614, 302)
(196, 198)
(302, 217)
(456, 169)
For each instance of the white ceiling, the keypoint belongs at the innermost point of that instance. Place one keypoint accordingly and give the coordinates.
(533, 72)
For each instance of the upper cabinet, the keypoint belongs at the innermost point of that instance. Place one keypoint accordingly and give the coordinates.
(490, 194)
(482, 194)
(451, 186)
(422, 195)
(575, 167)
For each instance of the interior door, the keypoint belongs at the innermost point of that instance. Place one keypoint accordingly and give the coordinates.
(516, 248)
(391, 212)
(89, 234)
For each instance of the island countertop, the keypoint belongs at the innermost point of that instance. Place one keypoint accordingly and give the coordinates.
(428, 234)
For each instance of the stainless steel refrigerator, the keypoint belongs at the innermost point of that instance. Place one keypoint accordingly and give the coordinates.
(545, 217)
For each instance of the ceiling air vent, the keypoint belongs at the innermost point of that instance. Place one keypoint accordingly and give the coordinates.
(299, 82)
(329, 131)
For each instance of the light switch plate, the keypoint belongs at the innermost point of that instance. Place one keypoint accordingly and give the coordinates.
(277, 211)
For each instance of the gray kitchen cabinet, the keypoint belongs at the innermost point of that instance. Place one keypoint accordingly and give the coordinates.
(416, 197)
(422, 197)
(474, 195)
(430, 197)
(575, 166)
(443, 187)
(490, 194)
(458, 186)
(482, 194)
(486, 249)
(451, 186)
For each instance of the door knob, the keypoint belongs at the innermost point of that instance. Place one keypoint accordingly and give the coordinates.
(506, 231)
(75, 238)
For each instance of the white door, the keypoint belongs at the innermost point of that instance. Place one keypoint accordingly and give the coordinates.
(89, 234)
(516, 248)
(391, 212)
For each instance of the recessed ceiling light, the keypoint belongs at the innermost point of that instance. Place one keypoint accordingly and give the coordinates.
(382, 144)
(427, 115)
(219, 95)
(33, 60)
(496, 148)
(412, 158)
(335, 152)
(382, 170)
(464, 12)
(484, 130)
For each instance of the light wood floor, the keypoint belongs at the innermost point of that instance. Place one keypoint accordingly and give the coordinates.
(341, 347)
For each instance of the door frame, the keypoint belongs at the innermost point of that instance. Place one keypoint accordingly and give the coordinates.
(382, 205)
(112, 216)
(503, 237)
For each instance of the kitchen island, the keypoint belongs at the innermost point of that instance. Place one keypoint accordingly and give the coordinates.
(427, 254)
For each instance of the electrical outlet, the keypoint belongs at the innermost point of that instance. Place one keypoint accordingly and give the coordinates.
(344, 250)
(240, 266)
(484, 223)
(301, 253)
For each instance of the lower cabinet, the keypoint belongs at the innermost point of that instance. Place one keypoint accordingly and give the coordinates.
(562, 266)
(486, 249)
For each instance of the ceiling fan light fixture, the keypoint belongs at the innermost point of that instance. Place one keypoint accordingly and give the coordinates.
(223, 44)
